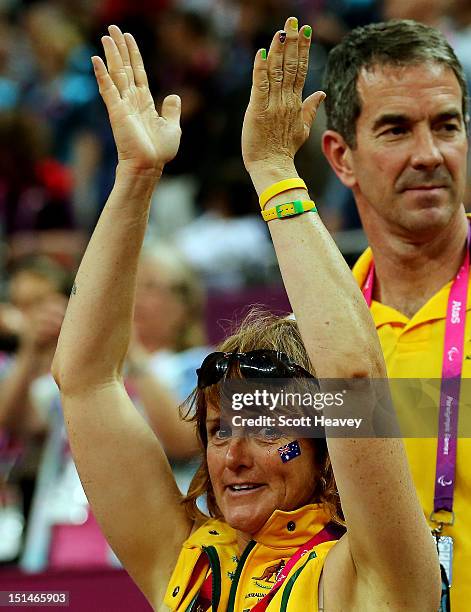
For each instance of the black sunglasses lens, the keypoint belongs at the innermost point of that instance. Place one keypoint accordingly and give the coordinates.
(212, 369)
(253, 364)
(271, 364)
(262, 364)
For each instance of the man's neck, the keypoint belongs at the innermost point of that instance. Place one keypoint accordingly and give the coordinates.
(407, 272)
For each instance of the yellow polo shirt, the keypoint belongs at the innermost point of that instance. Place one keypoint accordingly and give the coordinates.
(413, 348)
(241, 580)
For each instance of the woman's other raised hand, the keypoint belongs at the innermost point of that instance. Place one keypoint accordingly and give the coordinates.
(145, 140)
(277, 121)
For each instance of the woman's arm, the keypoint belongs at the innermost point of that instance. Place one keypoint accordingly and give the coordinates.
(388, 554)
(121, 463)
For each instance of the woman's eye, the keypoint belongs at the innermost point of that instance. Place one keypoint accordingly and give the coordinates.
(222, 433)
(270, 433)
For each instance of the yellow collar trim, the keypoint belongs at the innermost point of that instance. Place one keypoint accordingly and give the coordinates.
(284, 529)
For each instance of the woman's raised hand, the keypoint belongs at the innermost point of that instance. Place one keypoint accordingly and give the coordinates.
(145, 140)
(277, 122)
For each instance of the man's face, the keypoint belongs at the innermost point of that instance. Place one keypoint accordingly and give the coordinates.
(409, 164)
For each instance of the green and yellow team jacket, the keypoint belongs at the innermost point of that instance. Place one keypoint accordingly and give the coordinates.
(239, 581)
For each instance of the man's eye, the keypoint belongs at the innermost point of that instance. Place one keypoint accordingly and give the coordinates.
(449, 127)
(396, 130)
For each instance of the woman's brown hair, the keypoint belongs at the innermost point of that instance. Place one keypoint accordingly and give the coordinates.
(259, 330)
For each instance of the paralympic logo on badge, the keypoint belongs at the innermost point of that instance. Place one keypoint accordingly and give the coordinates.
(452, 353)
(442, 480)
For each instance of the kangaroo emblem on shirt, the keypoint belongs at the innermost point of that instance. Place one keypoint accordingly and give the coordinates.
(270, 571)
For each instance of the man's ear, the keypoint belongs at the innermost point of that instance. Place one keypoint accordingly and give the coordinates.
(339, 156)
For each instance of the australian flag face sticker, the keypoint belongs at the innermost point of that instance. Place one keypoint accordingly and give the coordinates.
(289, 451)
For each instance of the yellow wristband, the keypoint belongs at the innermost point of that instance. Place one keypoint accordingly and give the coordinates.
(290, 209)
(280, 187)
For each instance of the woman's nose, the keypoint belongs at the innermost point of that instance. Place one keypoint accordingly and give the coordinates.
(239, 452)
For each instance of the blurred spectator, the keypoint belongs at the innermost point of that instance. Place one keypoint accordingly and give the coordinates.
(169, 307)
(63, 87)
(461, 42)
(64, 96)
(430, 12)
(119, 11)
(169, 342)
(38, 290)
(15, 63)
(252, 27)
(35, 189)
(61, 531)
(332, 19)
(185, 61)
(452, 17)
(461, 14)
(228, 244)
(37, 293)
(136, 17)
(10, 327)
(201, 49)
(160, 372)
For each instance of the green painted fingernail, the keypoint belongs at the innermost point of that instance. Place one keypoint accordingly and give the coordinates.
(263, 53)
(307, 31)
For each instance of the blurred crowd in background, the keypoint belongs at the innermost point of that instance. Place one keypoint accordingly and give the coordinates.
(207, 254)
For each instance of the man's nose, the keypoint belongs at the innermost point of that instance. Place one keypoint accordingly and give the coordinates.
(238, 452)
(426, 153)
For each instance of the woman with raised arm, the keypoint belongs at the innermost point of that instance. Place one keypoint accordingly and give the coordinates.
(272, 498)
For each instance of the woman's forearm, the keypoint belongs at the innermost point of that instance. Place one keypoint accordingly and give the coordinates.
(96, 329)
(331, 313)
(341, 341)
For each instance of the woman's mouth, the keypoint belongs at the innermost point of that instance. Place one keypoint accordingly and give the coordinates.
(244, 488)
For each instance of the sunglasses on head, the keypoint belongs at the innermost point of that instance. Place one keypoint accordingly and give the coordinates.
(253, 364)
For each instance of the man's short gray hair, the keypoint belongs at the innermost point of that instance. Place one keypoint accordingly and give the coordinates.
(400, 42)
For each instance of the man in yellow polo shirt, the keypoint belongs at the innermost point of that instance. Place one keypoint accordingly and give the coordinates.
(396, 118)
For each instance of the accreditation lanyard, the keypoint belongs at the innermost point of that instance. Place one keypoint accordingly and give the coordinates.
(330, 532)
(452, 366)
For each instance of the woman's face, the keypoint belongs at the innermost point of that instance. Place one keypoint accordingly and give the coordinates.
(254, 461)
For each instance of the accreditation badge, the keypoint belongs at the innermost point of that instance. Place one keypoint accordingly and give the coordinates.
(445, 554)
